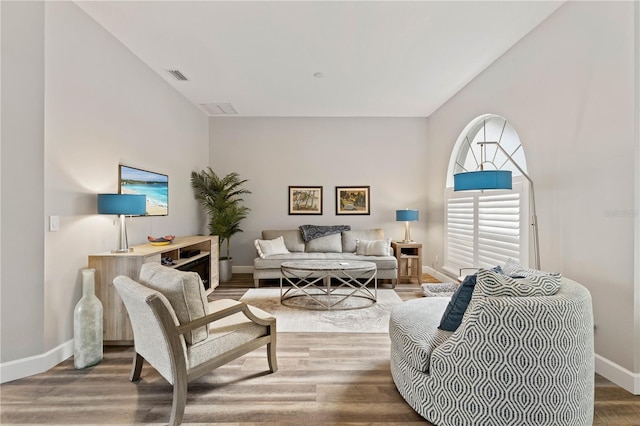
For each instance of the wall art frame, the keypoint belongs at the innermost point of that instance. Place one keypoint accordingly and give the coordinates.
(155, 186)
(305, 200)
(353, 200)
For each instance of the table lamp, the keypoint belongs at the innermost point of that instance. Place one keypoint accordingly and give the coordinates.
(407, 216)
(122, 205)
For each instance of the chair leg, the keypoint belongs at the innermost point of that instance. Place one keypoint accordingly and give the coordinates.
(271, 357)
(136, 369)
(179, 400)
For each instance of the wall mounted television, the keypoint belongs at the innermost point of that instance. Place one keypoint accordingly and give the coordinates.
(154, 185)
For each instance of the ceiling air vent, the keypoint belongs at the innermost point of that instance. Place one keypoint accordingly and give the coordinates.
(178, 75)
(219, 109)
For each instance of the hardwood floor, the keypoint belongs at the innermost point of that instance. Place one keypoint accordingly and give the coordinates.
(324, 378)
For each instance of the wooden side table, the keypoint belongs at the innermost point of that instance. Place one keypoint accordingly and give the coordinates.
(409, 257)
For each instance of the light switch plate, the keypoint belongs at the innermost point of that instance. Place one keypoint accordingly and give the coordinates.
(54, 223)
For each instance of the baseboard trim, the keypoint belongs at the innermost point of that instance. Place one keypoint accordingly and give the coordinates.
(617, 374)
(242, 269)
(36, 364)
(439, 275)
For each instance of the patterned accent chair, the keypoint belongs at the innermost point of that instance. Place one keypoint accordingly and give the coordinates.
(182, 335)
(513, 360)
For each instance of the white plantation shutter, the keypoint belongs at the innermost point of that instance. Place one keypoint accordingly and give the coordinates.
(485, 228)
(460, 230)
(498, 229)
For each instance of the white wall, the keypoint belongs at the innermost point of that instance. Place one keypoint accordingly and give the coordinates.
(22, 180)
(102, 107)
(387, 154)
(568, 90)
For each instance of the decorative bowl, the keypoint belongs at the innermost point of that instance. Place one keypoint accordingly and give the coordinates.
(161, 241)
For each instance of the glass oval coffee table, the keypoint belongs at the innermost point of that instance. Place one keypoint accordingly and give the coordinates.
(328, 285)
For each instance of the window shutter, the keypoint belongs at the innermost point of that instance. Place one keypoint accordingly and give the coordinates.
(484, 229)
(498, 229)
(460, 231)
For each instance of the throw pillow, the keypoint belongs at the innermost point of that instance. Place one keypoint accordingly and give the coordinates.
(373, 248)
(185, 293)
(452, 317)
(292, 238)
(515, 270)
(499, 285)
(270, 247)
(349, 238)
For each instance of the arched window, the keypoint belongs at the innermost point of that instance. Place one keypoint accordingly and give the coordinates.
(485, 228)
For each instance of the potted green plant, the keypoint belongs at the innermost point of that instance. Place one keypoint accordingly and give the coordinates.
(222, 201)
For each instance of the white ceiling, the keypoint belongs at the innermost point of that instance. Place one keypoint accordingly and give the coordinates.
(379, 59)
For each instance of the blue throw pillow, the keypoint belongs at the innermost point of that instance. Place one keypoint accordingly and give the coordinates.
(452, 317)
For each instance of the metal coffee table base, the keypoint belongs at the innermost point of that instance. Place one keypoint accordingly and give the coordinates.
(322, 285)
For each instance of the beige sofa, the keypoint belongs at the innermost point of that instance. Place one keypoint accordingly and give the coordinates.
(340, 246)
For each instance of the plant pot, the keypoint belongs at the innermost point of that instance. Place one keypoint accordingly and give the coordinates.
(225, 270)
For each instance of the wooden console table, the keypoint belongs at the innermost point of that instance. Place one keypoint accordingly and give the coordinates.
(195, 253)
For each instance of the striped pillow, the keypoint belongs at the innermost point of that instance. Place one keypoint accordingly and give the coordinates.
(539, 284)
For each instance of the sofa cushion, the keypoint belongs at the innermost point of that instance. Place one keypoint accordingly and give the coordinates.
(328, 244)
(382, 262)
(452, 317)
(292, 238)
(349, 238)
(499, 285)
(373, 247)
(274, 262)
(185, 293)
(226, 333)
(270, 247)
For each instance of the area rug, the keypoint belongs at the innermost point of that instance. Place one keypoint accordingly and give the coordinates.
(439, 289)
(373, 319)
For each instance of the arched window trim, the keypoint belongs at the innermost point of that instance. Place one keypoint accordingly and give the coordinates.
(466, 143)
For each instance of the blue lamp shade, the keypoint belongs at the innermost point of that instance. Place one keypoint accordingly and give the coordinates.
(407, 215)
(126, 204)
(483, 179)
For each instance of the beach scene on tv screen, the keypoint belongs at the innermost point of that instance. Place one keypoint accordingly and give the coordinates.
(154, 185)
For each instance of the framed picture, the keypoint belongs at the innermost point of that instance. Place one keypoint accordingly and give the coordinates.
(305, 200)
(154, 185)
(352, 200)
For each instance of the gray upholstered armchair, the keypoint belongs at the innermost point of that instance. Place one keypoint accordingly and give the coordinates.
(182, 335)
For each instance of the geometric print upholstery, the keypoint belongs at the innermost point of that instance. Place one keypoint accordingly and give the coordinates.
(513, 361)
(416, 332)
(490, 283)
(461, 298)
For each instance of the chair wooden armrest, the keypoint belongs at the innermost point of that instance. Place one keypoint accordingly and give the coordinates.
(231, 310)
